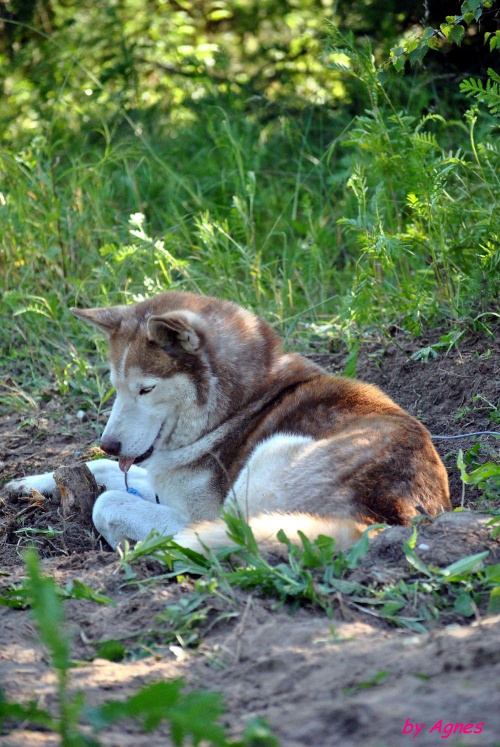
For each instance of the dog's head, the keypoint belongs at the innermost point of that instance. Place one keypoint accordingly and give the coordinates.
(179, 363)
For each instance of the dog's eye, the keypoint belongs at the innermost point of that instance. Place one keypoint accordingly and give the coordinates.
(146, 389)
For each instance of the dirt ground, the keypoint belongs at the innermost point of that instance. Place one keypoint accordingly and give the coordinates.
(305, 677)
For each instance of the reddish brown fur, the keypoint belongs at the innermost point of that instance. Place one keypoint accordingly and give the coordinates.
(370, 449)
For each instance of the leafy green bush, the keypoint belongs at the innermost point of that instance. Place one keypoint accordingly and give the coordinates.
(485, 476)
(451, 30)
(424, 217)
(375, 202)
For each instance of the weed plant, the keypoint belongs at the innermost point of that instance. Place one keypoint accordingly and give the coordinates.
(315, 573)
(193, 717)
(382, 211)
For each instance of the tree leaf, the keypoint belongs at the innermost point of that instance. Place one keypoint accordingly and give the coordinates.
(464, 565)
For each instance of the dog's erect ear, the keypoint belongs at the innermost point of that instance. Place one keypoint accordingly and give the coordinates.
(177, 331)
(107, 319)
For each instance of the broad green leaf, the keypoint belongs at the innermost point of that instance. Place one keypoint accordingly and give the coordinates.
(411, 555)
(446, 29)
(463, 605)
(494, 600)
(258, 734)
(461, 466)
(359, 550)
(28, 712)
(111, 650)
(351, 360)
(391, 608)
(309, 557)
(76, 590)
(485, 472)
(492, 573)
(464, 565)
(192, 714)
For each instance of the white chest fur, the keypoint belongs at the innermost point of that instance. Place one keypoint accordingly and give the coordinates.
(187, 489)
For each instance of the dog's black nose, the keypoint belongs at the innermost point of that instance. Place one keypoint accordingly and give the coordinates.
(111, 447)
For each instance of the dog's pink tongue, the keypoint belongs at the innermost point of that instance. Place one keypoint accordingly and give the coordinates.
(125, 464)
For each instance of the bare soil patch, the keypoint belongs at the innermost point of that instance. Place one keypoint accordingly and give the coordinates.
(439, 392)
(307, 679)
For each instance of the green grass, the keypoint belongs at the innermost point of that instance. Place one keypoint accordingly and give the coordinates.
(327, 226)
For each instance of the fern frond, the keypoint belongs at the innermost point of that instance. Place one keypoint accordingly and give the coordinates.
(488, 93)
(426, 139)
(493, 75)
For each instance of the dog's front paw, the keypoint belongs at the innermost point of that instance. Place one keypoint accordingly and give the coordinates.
(118, 515)
(43, 484)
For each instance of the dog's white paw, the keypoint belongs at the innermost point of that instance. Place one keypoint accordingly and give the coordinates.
(44, 484)
(118, 515)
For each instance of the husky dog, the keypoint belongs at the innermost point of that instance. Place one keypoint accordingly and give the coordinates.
(217, 414)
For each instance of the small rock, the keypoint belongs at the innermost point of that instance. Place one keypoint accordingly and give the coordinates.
(2, 466)
(80, 414)
(423, 546)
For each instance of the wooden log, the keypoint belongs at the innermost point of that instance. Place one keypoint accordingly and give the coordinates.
(78, 490)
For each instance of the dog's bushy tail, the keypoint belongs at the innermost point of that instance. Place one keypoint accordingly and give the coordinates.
(265, 526)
